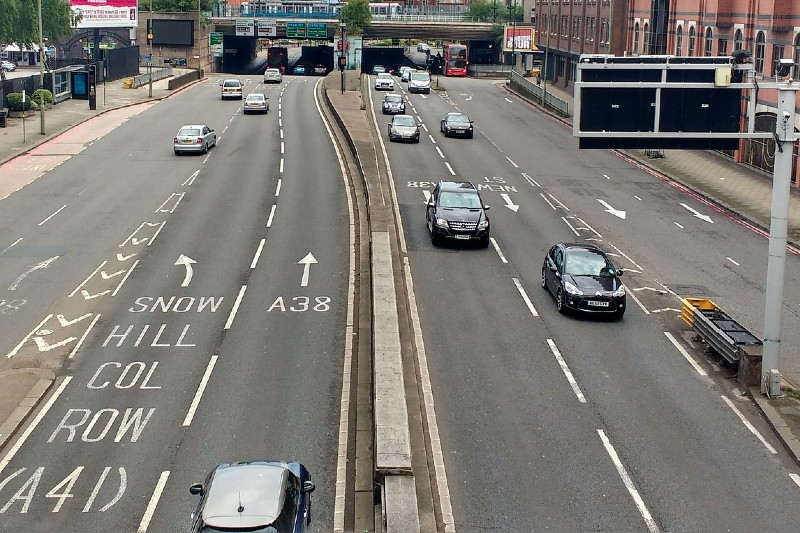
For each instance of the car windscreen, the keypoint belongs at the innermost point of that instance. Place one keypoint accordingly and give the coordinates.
(273, 71)
(394, 99)
(468, 200)
(420, 76)
(458, 119)
(404, 121)
(188, 132)
(587, 263)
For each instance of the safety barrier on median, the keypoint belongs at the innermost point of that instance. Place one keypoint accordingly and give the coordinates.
(722, 333)
(144, 79)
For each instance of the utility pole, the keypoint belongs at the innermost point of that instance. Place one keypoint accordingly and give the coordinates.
(342, 60)
(150, 52)
(41, 70)
(546, 57)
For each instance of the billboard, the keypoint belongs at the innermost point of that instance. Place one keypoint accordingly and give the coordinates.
(523, 40)
(169, 32)
(105, 13)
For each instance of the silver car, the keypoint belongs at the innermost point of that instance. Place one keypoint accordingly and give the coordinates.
(231, 88)
(273, 75)
(256, 103)
(403, 128)
(8, 66)
(196, 138)
(405, 73)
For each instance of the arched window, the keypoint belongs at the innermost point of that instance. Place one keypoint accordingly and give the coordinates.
(796, 57)
(679, 41)
(636, 38)
(760, 45)
(709, 43)
(646, 39)
(692, 38)
(738, 41)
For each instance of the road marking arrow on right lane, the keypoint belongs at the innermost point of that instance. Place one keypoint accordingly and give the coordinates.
(509, 204)
(616, 212)
(697, 214)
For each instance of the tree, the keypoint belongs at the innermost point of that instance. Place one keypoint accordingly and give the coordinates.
(175, 6)
(19, 20)
(495, 11)
(355, 14)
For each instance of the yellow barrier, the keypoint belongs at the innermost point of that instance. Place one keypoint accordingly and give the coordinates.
(128, 83)
(687, 309)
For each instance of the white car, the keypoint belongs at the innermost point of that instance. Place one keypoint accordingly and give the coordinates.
(405, 73)
(8, 66)
(420, 82)
(273, 75)
(231, 88)
(256, 103)
(384, 82)
(194, 138)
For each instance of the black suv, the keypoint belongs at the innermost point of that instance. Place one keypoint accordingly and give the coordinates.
(456, 211)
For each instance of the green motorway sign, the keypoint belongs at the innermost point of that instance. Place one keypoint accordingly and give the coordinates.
(296, 30)
(317, 30)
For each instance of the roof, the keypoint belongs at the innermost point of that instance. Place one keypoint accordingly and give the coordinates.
(198, 126)
(446, 185)
(257, 487)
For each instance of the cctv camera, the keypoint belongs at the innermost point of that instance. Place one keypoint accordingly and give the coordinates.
(786, 115)
(783, 67)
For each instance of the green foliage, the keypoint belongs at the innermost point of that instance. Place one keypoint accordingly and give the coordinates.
(40, 95)
(356, 16)
(14, 102)
(19, 20)
(495, 11)
(175, 6)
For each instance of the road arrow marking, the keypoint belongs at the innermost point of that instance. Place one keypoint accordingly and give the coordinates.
(43, 264)
(509, 204)
(122, 258)
(44, 346)
(64, 322)
(187, 262)
(109, 276)
(616, 212)
(87, 296)
(696, 213)
(307, 261)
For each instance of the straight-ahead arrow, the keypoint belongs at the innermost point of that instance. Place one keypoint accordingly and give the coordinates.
(509, 204)
(307, 261)
(616, 212)
(696, 213)
(187, 262)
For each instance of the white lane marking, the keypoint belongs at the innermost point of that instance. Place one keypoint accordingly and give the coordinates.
(606, 176)
(548, 201)
(278, 188)
(497, 249)
(281, 169)
(525, 297)
(83, 337)
(452, 172)
(570, 226)
(732, 261)
(620, 252)
(509, 101)
(440, 152)
(191, 178)
(641, 306)
(512, 162)
(425, 128)
(637, 197)
(281, 133)
(431, 138)
(678, 225)
(428, 403)
(280, 123)
(44, 264)
(557, 201)
(419, 118)
(749, 426)
(258, 253)
(283, 147)
(795, 478)
(427, 195)
(271, 214)
(590, 228)
(530, 180)
(637, 498)
(685, 354)
(125, 278)
(567, 372)
(39, 416)
(12, 245)
(151, 506)
(279, 112)
(54, 214)
(13, 352)
(198, 395)
(238, 301)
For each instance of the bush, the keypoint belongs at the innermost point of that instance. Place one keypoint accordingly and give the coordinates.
(40, 94)
(14, 102)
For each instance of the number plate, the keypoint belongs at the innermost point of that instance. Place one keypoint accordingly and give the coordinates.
(187, 141)
(597, 304)
(463, 237)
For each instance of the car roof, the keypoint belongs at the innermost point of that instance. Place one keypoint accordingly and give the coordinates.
(446, 185)
(384, 75)
(198, 126)
(257, 94)
(226, 80)
(272, 70)
(454, 114)
(257, 488)
(387, 95)
(581, 246)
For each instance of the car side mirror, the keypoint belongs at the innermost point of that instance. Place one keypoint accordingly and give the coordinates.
(553, 268)
(619, 272)
(196, 489)
(486, 208)
(308, 487)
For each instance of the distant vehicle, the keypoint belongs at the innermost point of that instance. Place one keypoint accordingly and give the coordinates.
(378, 69)
(384, 81)
(403, 128)
(321, 70)
(393, 104)
(8, 66)
(455, 60)
(455, 211)
(273, 75)
(194, 138)
(456, 125)
(254, 496)
(405, 73)
(299, 69)
(582, 278)
(419, 82)
(384, 10)
(423, 47)
(255, 103)
(278, 57)
(231, 88)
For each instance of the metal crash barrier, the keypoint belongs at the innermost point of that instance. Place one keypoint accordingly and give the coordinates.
(721, 332)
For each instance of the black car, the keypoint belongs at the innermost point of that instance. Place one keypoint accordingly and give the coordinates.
(393, 104)
(456, 211)
(254, 496)
(456, 125)
(582, 278)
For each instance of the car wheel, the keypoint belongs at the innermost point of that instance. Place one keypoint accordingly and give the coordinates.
(544, 277)
(560, 305)
(435, 239)
(205, 148)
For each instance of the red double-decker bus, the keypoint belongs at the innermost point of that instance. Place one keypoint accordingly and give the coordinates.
(455, 60)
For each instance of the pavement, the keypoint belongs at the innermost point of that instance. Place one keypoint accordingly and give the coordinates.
(742, 190)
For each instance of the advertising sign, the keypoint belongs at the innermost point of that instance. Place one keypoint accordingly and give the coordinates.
(215, 44)
(523, 40)
(317, 30)
(267, 27)
(245, 28)
(295, 30)
(105, 13)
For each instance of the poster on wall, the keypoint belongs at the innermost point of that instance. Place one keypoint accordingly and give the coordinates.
(519, 39)
(105, 13)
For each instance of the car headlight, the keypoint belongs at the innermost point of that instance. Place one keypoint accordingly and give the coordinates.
(572, 289)
(619, 292)
(442, 223)
(483, 224)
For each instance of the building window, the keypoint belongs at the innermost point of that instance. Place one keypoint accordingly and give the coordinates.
(565, 26)
(576, 28)
(708, 44)
(646, 39)
(796, 57)
(591, 34)
(777, 53)
(722, 47)
(759, 66)
(553, 24)
(692, 38)
(679, 41)
(636, 38)
(603, 25)
(738, 41)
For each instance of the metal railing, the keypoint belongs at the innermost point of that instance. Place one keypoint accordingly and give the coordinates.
(547, 98)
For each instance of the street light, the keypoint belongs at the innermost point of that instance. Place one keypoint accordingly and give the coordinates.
(342, 60)
(513, 20)
(150, 52)
(41, 71)
(546, 56)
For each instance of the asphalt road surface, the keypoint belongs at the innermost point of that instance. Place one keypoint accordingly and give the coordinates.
(565, 423)
(195, 306)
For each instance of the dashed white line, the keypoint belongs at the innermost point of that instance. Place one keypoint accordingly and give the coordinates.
(678, 225)
(280, 122)
(606, 176)
(548, 201)
(512, 162)
(557, 201)
(281, 169)
(620, 252)
(570, 226)
(567, 372)
(281, 133)
(685, 354)
(497, 249)
(278, 188)
(795, 478)
(54, 214)
(151, 506)
(238, 301)
(424, 127)
(637, 498)
(525, 297)
(509, 100)
(530, 180)
(12, 245)
(198, 395)
(732, 261)
(440, 152)
(452, 172)
(641, 306)
(271, 214)
(749, 426)
(419, 118)
(637, 197)
(258, 253)
(431, 138)
(283, 147)
(590, 228)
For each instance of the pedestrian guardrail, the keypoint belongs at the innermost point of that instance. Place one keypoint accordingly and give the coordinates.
(144, 79)
(714, 326)
(549, 100)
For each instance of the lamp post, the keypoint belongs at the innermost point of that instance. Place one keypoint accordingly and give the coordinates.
(342, 60)
(41, 70)
(512, 5)
(546, 56)
(150, 51)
